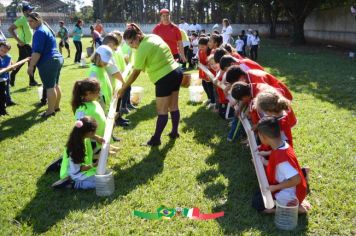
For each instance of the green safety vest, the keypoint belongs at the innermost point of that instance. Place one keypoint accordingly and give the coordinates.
(105, 84)
(95, 111)
(88, 160)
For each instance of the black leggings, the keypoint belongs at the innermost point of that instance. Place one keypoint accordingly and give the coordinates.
(253, 52)
(24, 52)
(209, 90)
(78, 53)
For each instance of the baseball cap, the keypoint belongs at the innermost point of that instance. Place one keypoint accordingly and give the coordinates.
(164, 10)
(27, 7)
(105, 53)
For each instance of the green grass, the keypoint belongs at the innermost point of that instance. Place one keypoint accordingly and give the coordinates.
(199, 169)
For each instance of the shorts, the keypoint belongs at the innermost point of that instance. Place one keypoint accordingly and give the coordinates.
(169, 83)
(66, 45)
(50, 71)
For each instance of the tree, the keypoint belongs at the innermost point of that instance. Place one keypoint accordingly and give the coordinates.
(297, 11)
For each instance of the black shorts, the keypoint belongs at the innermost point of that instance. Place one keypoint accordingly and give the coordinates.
(169, 83)
(65, 44)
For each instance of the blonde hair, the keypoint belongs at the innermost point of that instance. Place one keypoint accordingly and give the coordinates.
(118, 35)
(271, 101)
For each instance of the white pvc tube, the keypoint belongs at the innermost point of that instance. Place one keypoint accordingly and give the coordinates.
(110, 119)
(260, 171)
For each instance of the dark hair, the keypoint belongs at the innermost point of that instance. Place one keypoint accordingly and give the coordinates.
(75, 144)
(228, 47)
(78, 22)
(219, 53)
(91, 28)
(204, 41)
(257, 34)
(5, 44)
(111, 38)
(37, 17)
(216, 32)
(242, 32)
(240, 90)
(132, 31)
(269, 126)
(81, 87)
(225, 62)
(195, 34)
(217, 39)
(234, 73)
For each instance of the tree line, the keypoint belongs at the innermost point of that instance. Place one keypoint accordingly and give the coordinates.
(293, 12)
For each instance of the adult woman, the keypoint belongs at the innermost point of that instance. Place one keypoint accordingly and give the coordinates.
(171, 34)
(226, 31)
(77, 36)
(48, 61)
(153, 56)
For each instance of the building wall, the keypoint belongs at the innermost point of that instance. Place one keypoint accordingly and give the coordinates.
(335, 26)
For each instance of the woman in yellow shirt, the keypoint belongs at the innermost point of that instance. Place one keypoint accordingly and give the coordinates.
(153, 56)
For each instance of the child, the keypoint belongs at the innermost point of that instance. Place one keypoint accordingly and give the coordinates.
(239, 45)
(255, 41)
(215, 42)
(100, 60)
(5, 61)
(232, 51)
(77, 168)
(208, 86)
(235, 73)
(271, 103)
(96, 37)
(195, 44)
(285, 177)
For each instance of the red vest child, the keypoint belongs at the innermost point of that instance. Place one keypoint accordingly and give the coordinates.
(221, 95)
(248, 64)
(260, 76)
(286, 155)
(203, 56)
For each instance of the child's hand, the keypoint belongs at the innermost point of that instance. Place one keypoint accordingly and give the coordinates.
(264, 153)
(263, 160)
(101, 140)
(273, 188)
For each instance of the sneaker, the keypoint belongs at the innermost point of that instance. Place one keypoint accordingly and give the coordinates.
(152, 142)
(11, 103)
(122, 122)
(130, 106)
(211, 106)
(116, 139)
(63, 183)
(55, 165)
(207, 102)
(124, 111)
(34, 83)
(173, 135)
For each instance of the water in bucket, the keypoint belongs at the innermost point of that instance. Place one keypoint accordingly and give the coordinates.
(196, 93)
(104, 184)
(136, 95)
(286, 217)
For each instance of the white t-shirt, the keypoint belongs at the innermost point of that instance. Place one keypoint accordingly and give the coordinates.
(184, 26)
(255, 40)
(196, 28)
(249, 40)
(195, 45)
(226, 33)
(239, 45)
(285, 171)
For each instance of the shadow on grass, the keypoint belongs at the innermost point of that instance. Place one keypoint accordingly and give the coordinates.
(51, 206)
(145, 112)
(326, 75)
(16, 126)
(234, 163)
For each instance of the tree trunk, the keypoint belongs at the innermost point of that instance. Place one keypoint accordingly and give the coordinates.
(298, 31)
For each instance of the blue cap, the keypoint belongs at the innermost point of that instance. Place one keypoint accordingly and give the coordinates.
(27, 8)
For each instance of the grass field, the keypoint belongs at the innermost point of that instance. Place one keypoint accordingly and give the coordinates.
(199, 169)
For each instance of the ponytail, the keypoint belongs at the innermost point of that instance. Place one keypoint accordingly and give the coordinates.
(81, 87)
(75, 144)
(132, 31)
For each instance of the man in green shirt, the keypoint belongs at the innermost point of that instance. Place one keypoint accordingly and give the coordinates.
(63, 35)
(23, 36)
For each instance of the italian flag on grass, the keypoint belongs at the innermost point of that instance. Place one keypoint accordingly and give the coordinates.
(194, 213)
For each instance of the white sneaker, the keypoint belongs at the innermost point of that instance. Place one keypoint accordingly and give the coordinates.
(211, 105)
